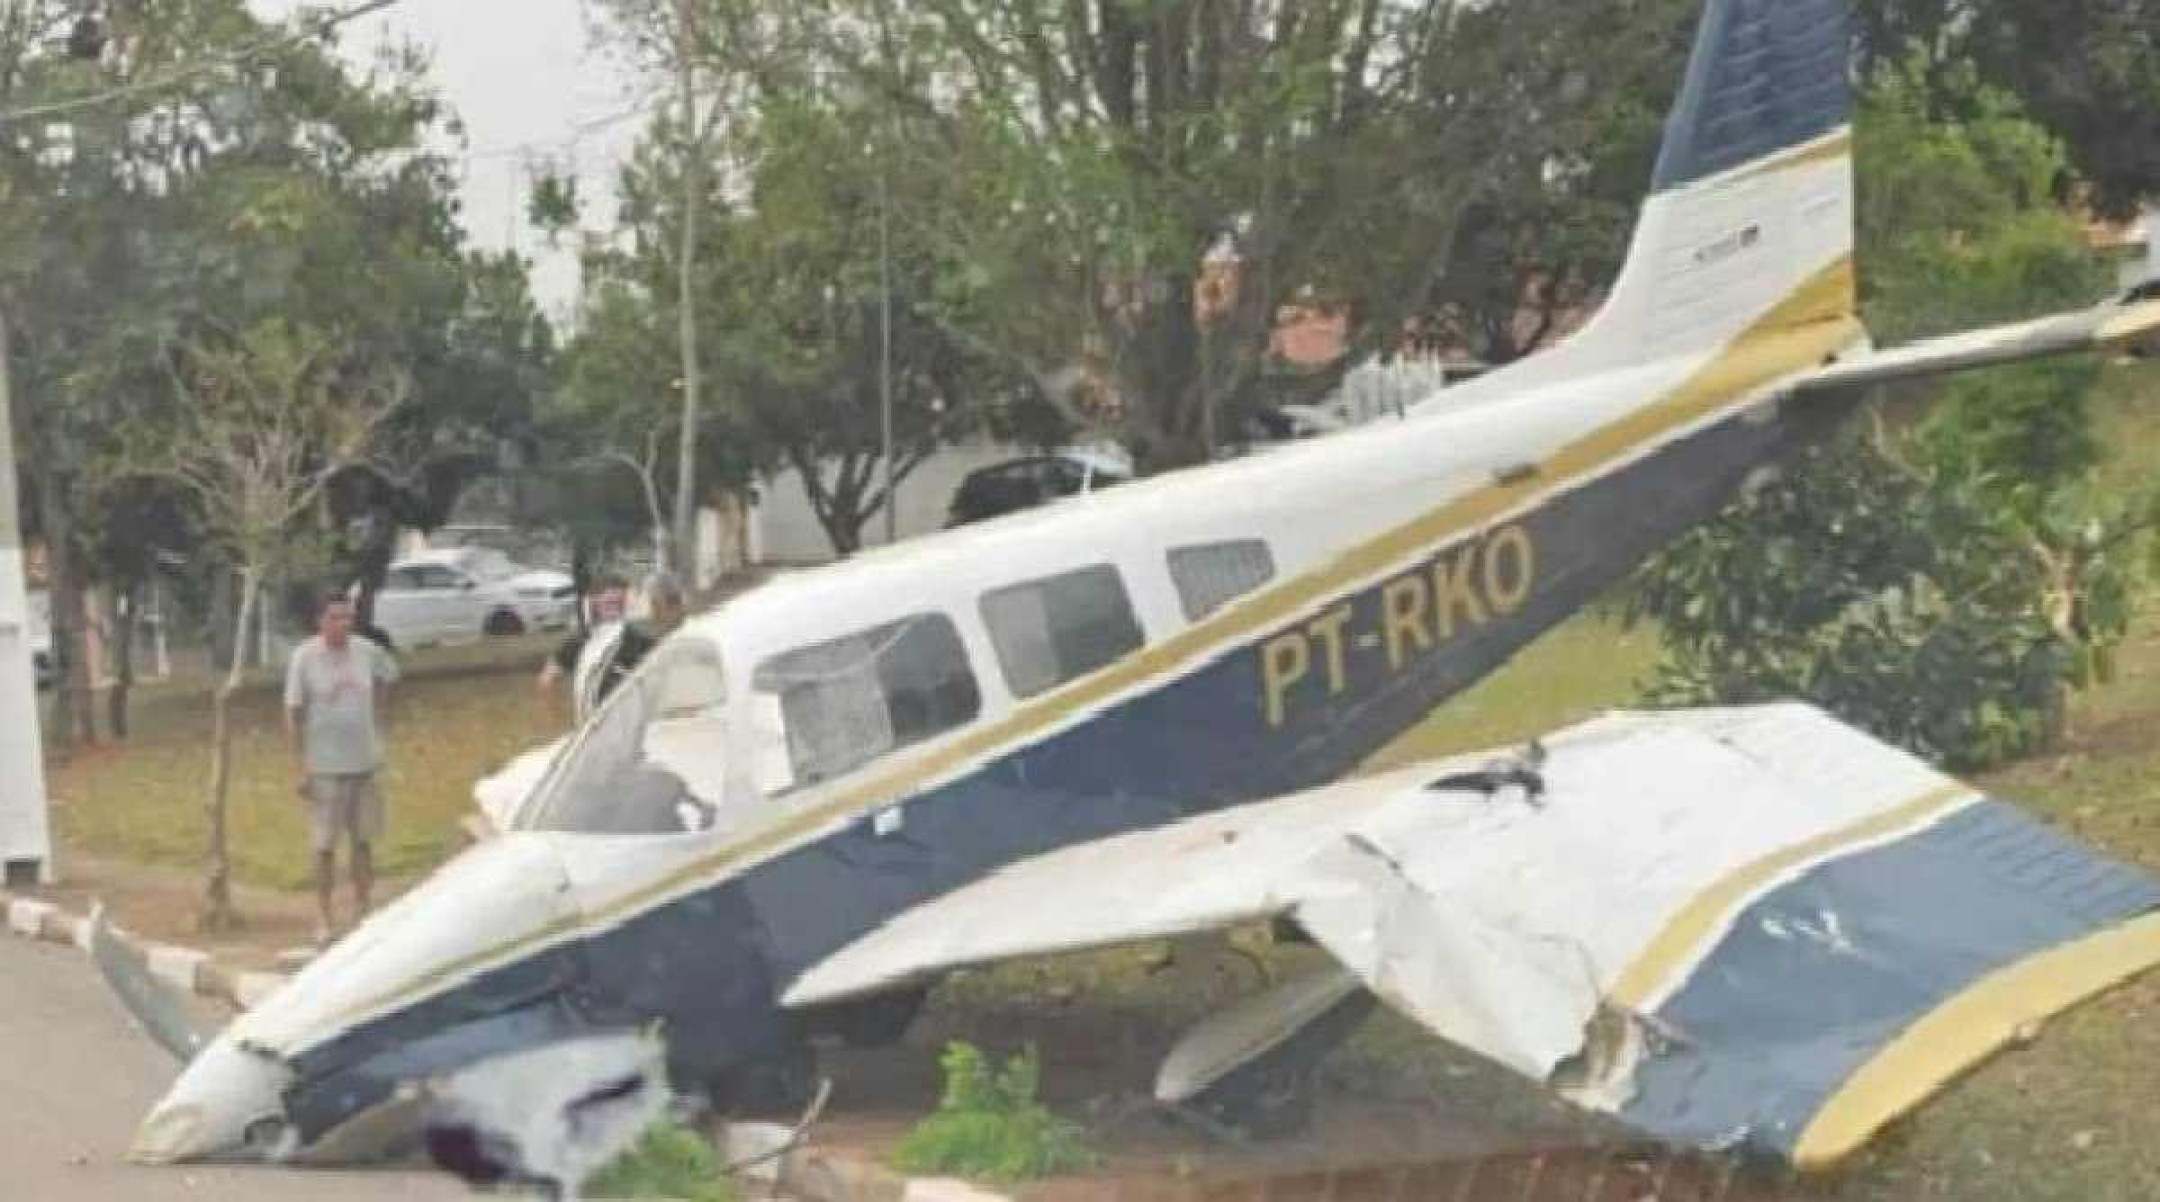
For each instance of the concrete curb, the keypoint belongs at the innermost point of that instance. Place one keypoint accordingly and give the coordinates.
(184, 968)
(811, 1173)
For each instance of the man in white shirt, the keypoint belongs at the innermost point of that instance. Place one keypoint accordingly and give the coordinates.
(336, 697)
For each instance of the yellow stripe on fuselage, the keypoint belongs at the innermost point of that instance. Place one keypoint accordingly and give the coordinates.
(1815, 323)
(1690, 935)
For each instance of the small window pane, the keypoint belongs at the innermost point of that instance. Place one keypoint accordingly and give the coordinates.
(1051, 631)
(846, 702)
(1212, 576)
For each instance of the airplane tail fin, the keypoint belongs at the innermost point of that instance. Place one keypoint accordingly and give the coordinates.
(1750, 219)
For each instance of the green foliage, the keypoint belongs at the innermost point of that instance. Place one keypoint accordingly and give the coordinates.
(1944, 582)
(1895, 602)
(2089, 70)
(668, 1161)
(989, 1125)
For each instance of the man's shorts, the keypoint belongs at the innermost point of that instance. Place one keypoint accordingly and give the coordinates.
(344, 805)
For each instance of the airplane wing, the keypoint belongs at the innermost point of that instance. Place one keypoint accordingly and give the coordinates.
(1724, 927)
(2108, 327)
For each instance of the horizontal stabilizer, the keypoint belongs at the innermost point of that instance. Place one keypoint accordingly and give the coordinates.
(2109, 327)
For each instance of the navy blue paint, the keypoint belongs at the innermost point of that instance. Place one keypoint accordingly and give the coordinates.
(1198, 743)
(321, 1101)
(1767, 75)
(1773, 1026)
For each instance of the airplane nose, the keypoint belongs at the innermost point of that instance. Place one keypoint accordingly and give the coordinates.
(232, 1100)
(226, 1103)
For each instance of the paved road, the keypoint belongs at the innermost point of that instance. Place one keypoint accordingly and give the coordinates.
(77, 1078)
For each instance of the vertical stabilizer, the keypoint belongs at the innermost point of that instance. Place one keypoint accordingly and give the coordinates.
(1749, 224)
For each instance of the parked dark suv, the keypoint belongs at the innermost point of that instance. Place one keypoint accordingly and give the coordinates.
(1018, 484)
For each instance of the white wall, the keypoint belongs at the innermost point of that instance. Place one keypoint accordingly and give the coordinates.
(785, 529)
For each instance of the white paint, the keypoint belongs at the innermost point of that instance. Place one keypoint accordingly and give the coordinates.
(179, 967)
(26, 916)
(252, 989)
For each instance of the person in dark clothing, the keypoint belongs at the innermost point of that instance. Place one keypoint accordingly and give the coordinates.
(598, 660)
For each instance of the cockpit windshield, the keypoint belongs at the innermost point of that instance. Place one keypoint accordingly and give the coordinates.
(651, 760)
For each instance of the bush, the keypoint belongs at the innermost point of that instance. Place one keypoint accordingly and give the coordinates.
(1897, 603)
(989, 1125)
(668, 1161)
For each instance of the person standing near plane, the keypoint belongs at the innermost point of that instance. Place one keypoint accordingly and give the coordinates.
(598, 661)
(336, 708)
(580, 654)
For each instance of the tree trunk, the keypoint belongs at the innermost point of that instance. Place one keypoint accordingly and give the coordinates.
(218, 914)
(124, 606)
(72, 720)
(221, 623)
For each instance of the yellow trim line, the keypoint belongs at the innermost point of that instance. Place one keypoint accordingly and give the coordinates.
(1690, 935)
(1969, 1028)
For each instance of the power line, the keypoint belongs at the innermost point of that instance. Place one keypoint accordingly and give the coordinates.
(312, 28)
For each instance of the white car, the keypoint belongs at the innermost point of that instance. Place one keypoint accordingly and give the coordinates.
(463, 593)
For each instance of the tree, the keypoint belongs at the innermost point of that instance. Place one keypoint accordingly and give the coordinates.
(1945, 576)
(2087, 70)
(268, 416)
(1092, 160)
(224, 173)
(827, 311)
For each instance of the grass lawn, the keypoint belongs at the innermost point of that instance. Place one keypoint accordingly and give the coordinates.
(460, 712)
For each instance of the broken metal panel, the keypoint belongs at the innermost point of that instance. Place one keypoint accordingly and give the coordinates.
(502, 795)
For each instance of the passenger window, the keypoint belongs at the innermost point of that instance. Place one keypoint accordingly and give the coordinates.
(1211, 576)
(846, 702)
(1050, 631)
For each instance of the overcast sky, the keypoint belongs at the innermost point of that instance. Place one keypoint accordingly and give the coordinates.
(531, 89)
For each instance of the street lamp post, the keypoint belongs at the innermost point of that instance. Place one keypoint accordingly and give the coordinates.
(885, 414)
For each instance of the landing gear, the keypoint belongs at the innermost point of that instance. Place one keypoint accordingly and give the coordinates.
(1248, 1073)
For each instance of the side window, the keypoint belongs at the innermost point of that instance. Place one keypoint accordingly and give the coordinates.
(846, 702)
(1049, 631)
(435, 576)
(1213, 575)
(401, 580)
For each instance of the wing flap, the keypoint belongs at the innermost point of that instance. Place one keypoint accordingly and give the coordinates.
(2109, 327)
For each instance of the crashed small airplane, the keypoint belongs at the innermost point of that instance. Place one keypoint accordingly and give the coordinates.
(1118, 719)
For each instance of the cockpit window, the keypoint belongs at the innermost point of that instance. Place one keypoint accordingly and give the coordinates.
(835, 706)
(650, 762)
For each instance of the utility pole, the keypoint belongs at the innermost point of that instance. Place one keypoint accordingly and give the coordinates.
(684, 560)
(25, 833)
